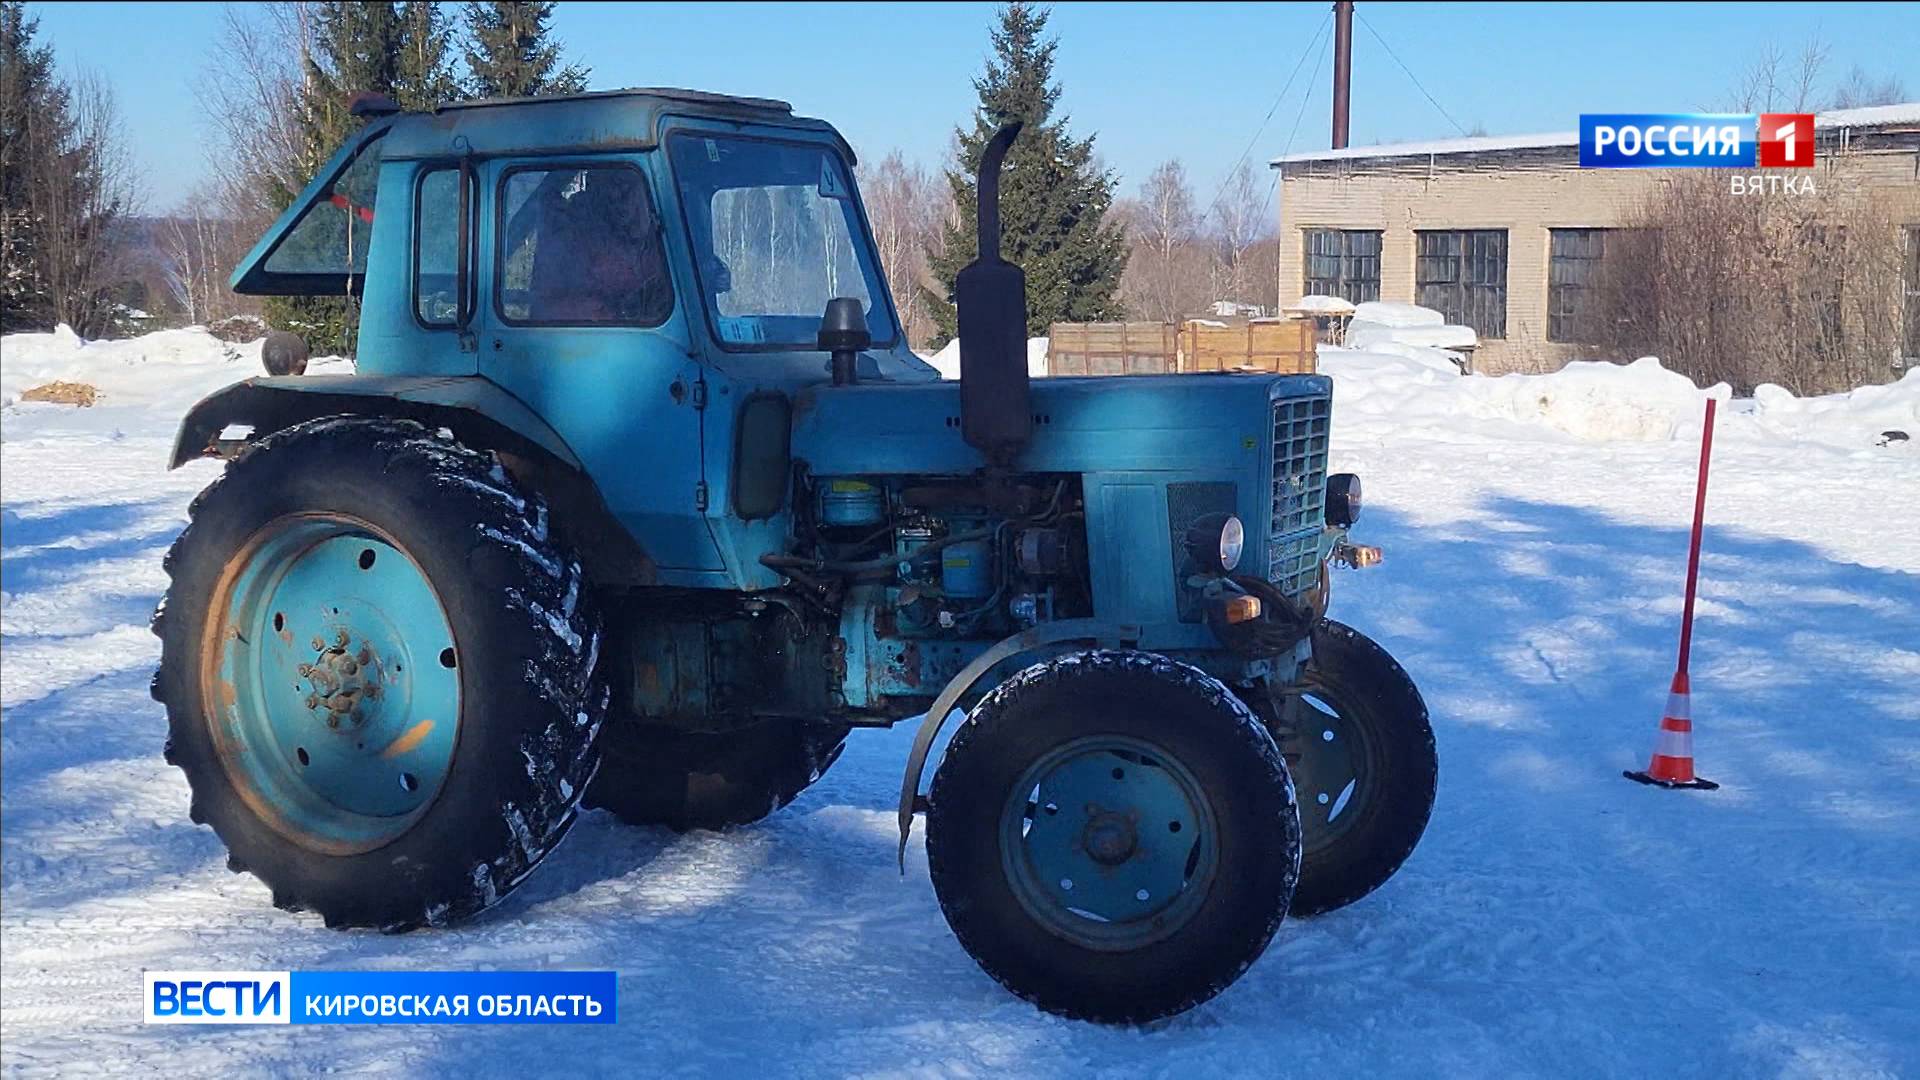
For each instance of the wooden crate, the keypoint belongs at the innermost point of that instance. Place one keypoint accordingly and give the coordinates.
(1280, 346)
(1110, 348)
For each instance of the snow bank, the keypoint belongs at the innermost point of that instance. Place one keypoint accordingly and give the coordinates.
(947, 360)
(163, 372)
(1594, 401)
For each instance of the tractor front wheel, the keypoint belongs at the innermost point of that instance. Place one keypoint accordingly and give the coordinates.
(1112, 836)
(1361, 748)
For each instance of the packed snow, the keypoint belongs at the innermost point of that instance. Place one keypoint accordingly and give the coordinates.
(1557, 919)
(947, 360)
(1376, 323)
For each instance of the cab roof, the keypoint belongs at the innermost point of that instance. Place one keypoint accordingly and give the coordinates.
(596, 121)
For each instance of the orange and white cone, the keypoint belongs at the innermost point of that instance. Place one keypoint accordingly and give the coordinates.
(1672, 765)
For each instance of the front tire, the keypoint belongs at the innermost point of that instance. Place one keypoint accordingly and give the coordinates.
(378, 663)
(1361, 747)
(1112, 836)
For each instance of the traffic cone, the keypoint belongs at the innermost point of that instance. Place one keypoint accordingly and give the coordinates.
(1672, 765)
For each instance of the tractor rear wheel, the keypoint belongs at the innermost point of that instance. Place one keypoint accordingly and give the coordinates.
(686, 780)
(378, 663)
(1112, 836)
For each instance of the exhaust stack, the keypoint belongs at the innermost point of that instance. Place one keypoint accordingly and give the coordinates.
(996, 402)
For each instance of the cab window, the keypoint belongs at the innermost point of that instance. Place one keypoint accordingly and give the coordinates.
(580, 246)
(436, 249)
(776, 234)
(331, 236)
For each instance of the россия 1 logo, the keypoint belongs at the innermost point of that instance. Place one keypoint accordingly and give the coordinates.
(1696, 140)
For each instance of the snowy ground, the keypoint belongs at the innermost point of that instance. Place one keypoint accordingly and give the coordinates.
(1557, 920)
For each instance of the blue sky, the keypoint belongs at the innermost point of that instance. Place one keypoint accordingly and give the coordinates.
(1152, 80)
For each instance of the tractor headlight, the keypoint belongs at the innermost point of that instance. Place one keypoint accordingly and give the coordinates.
(1343, 499)
(1216, 541)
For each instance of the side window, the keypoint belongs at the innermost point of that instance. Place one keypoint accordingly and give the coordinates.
(331, 237)
(436, 249)
(580, 246)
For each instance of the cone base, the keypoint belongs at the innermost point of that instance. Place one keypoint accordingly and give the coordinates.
(1696, 783)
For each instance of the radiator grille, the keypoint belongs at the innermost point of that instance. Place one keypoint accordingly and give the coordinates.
(1299, 491)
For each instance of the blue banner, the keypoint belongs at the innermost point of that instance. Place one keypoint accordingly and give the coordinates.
(453, 997)
(1668, 140)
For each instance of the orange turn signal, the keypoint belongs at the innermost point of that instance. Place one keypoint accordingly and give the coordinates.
(1241, 609)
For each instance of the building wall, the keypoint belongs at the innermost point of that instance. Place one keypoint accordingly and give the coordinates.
(1528, 200)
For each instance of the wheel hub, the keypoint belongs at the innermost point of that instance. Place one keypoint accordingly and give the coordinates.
(343, 681)
(1110, 837)
(1108, 842)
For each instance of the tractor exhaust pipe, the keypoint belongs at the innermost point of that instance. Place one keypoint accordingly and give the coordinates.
(996, 400)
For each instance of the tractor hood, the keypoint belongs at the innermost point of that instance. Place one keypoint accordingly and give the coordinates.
(1168, 423)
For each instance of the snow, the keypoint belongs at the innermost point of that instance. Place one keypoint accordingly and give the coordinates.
(947, 360)
(1556, 920)
(1397, 315)
(1869, 116)
(1320, 304)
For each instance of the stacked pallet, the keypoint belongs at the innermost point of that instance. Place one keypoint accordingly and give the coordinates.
(1279, 346)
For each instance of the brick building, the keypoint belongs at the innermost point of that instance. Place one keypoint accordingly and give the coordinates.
(1501, 233)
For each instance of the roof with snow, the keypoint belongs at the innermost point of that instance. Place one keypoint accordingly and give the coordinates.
(1877, 116)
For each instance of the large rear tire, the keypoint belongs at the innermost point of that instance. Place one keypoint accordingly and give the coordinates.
(1112, 836)
(378, 663)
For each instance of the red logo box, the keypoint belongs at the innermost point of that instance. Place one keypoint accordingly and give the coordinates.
(1786, 140)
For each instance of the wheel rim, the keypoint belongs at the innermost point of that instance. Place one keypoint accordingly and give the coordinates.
(332, 686)
(1336, 774)
(1109, 842)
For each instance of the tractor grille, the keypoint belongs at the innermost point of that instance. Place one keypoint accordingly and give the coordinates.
(1299, 492)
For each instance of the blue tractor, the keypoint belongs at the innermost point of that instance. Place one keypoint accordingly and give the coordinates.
(638, 500)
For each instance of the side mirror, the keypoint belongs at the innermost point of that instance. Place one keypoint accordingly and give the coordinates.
(996, 402)
(843, 333)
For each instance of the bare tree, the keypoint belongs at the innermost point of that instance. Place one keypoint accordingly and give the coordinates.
(200, 247)
(249, 95)
(1803, 290)
(906, 206)
(1166, 276)
(1773, 82)
(1860, 89)
(1240, 221)
(87, 187)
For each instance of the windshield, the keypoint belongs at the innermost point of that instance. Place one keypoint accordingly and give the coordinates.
(775, 236)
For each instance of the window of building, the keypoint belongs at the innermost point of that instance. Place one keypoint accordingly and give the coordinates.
(1573, 280)
(1910, 340)
(1463, 276)
(1343, 263)
(580, 246)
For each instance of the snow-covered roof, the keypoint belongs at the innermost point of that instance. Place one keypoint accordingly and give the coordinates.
(1871, 116)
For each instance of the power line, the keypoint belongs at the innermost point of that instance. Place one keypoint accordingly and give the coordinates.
(1304, 102)
(1409, 71)
(1271, 109)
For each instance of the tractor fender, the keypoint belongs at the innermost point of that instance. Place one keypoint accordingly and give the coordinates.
(479, 413)
(1066, 631)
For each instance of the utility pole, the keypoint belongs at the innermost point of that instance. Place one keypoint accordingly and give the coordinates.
(1342, 69)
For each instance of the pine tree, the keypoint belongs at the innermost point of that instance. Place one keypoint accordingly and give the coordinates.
(60, 212)
(357, 47)
(509, 52)
(33, 111)
(424, 76)
(1053, 197)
